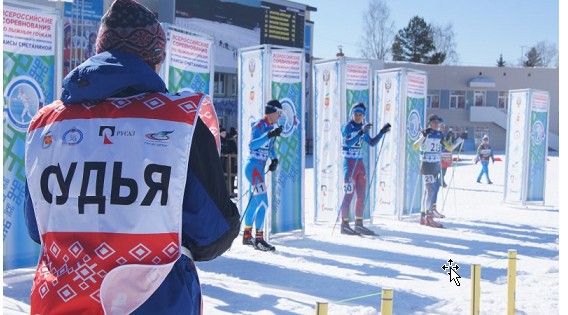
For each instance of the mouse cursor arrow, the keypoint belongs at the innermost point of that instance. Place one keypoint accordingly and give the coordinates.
(454, 276)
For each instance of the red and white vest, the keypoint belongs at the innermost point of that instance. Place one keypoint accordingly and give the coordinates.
(107, 184)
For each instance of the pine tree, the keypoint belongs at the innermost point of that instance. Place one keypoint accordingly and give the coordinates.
(533, 58)
(415, 43)
(500, 61)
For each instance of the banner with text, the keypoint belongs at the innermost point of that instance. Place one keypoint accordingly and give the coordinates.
(327, 140)
(538, 143)
(188, 62)
(287, 73)
(357, 90)
(388, 103)
(29, 84)
(515, 167)
(416, 84)
(401, 97)
(188, 67)
(251, 108)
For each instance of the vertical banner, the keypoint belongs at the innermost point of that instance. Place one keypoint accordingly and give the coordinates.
(416, 92)
(251, 104)
(516, 144)
(327, 140)
(357, 87)
(401, 97)
(286, 83)
(189, 67)
(188, 62)
(29, 84)
(388, 104)
(308, 80)
(538, 146)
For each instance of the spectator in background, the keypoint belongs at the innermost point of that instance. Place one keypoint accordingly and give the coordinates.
(233, 138)
(91, 46)
(484, 153)
(228, 152)
(224, 142)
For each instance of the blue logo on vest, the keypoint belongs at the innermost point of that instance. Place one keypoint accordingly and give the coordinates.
(72, 136)
(23, 98)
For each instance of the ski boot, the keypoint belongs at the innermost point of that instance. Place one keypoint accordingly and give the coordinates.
(359, 228)
(247, 237)
(434, 212)
(261, 244)
(346, 229)
(429, 221)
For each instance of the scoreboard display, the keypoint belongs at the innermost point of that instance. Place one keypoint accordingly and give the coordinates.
(282, 25)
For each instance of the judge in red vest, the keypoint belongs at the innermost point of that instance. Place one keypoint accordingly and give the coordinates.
(125, 189)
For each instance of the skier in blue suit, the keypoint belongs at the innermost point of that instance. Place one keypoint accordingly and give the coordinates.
(261, 146)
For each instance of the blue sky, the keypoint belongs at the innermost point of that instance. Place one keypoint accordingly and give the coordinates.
(483, 28)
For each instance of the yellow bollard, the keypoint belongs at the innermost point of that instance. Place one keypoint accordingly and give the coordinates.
(475, 290)
(511, 282)
(386, 302)
(321, 308)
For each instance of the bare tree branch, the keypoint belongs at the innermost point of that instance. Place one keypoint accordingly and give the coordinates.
(445, 42)
(378, 31)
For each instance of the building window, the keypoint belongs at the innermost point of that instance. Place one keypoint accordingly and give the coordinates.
(234, 85)
(457, 99)
(479, 98)
(503, 100)
(219, 84)
(433, 100)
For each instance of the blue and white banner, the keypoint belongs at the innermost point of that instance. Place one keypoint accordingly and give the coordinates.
(29, 84)
(388, 104)
(400, 95)
(415, 93)
(287, 86)
(252, 83)
(327, 140)
(527, 146)
(538, 146)
(515, 165)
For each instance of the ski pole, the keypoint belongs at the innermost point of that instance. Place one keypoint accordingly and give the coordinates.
(452, 178)
(374, 172)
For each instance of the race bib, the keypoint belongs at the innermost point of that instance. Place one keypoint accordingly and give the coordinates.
(429, 179)
(348, 187)
(259, 189)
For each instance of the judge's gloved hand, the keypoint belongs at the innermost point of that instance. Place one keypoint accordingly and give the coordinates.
(273, 165)
(386, 128)
(275, 132)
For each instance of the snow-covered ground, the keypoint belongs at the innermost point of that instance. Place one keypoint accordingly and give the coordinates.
(406, 257)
